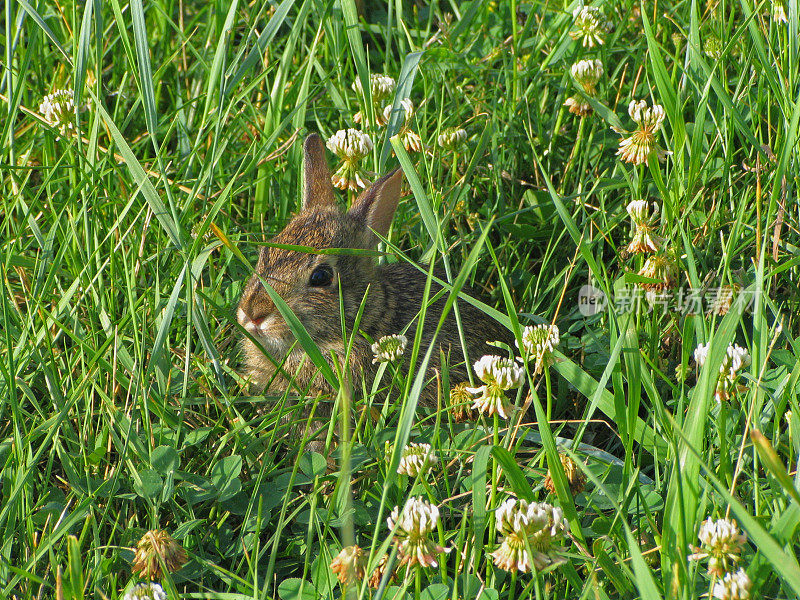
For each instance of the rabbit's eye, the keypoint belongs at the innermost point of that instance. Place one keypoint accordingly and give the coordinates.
(321, 276)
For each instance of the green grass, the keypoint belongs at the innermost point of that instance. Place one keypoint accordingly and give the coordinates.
(125, 249)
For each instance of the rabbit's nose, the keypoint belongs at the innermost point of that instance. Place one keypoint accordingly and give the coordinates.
(254, 323)
(246, 321)
(252, 311)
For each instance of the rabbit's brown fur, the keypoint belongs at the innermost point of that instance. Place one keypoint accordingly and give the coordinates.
(394, 291)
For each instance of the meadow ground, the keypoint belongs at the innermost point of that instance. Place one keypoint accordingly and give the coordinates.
(628, 172)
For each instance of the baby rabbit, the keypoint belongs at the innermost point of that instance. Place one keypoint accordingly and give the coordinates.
(311, 285)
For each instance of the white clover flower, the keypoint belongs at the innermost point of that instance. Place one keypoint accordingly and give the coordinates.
(701, 354)
(349, 565)
(351, 146)
(411, 141)
(721, 542)
(502, 371)
(578, 106)
(406, 105)
(414, 525)
(662, 267)
(146, 591)
(499, 375)
(538, 343)
(381, 88)
(637, 146)
(538, 526)
(736, 360)
(590, 27)
(538, 340)
(451, 138)
(734, 586)
(647, 117)
(639, 211)
(587, 73)
(460, 402)
(389, 348)
(576, 479)
(644, 240)
(156, 548)
(416, 459)
(58, 109)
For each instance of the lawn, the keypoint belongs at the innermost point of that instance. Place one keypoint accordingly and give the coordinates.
(617, 187)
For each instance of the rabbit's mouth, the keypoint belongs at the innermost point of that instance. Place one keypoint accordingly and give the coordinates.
(274, 335)
(270, 331)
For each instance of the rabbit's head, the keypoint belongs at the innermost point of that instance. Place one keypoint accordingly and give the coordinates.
(312, 283)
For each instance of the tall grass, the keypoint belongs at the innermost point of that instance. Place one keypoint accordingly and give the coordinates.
(126, 244)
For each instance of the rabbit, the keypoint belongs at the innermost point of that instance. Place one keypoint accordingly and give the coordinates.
(311, 285)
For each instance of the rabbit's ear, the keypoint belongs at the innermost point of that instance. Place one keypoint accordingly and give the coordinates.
(317, 187)
(377, 204)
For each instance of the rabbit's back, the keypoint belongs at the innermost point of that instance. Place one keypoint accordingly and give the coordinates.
(404, 291)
